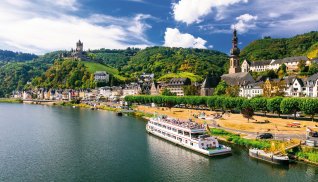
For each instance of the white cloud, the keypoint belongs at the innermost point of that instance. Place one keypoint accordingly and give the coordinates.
(191, 11)
(245, 23)
(281, 18)
(26, 26)
(174, 38)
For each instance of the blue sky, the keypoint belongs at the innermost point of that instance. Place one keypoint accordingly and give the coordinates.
(40, 26)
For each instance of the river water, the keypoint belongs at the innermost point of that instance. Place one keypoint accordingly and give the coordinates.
(43, 143)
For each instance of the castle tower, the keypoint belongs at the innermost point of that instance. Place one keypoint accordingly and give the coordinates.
(234, 57)
(79, 46)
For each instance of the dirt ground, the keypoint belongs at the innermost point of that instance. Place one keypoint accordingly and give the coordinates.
(236, 121)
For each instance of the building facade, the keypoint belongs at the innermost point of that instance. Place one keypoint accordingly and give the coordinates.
(176, 85)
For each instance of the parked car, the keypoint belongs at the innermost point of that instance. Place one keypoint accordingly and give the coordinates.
(265, 136)
(293, 125)
(313, 134)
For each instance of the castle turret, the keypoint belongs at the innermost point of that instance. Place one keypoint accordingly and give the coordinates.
(234, 57)
(79, 46)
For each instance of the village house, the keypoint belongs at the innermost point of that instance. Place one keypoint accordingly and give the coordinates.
(176, 85)
(312, 86)
(154, 90)
(251, 90)
(259, 66)
(132, 89)
(26, 95)
(105, 92)
(101, 76)
(296, 88)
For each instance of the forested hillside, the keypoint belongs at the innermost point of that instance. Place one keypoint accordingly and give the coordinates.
(15, 75)
(6, 56)
(164, 60)
(269, 48)
(65, 73)
(113, 57)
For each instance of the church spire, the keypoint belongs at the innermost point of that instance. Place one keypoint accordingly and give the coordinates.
(235, 51)
(234, 57)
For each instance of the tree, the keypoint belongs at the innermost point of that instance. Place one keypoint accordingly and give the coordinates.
(282, 70)
(232, 91)
(190, 90)
(273, 105)
(290, 106)
(248, 113)
(220, 88)
(259, 104)
(301, 66)
(211, 102)
(167, 92)
(313, 68)
(309, 107)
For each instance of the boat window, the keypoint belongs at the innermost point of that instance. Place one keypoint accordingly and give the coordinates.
(186, 133)
(195, 135)
(164, 126)
(169, 128)
(180, 132)
(174, 137)
(191, 143)
(173, 129)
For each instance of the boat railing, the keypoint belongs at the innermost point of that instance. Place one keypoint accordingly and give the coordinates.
(184, 124)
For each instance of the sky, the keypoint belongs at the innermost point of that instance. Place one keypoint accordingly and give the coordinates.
(41, 26)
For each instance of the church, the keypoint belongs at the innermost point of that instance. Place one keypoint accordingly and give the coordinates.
(236, 76)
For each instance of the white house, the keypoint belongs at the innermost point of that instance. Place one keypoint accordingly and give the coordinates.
(251, 90)
(105, 92)
(312, 86)
(131, 89)
(101, 76)
(297, 88)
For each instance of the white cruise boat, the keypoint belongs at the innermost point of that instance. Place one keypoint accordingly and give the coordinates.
(187, 134)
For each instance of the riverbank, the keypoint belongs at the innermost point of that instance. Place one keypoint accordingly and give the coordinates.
(277, 126)
(10, 100)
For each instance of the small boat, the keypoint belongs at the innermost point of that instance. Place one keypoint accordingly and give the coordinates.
(119, 114)
(268, 157)
(188, 134)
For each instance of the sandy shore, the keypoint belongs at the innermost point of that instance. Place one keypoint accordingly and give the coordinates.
(235, 121)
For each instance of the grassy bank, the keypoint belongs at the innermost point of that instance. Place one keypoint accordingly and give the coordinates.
(308, 154)
(7, 100)
(236, 139)
(140, 114)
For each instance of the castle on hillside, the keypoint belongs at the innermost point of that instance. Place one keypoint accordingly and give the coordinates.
(78, 52)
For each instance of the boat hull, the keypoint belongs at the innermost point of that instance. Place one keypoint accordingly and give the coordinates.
(272, 160)
(216, 152)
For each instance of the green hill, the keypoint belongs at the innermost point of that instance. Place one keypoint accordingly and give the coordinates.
(164, 60)
(313, 51)
(191, 76)
(10, 56)
(65, 73)
(93, 67)
(113, 57)
(269, 48)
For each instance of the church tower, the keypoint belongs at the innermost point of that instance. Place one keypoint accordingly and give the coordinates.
(234, 57)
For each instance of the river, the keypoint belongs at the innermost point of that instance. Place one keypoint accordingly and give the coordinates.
(45, 143)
